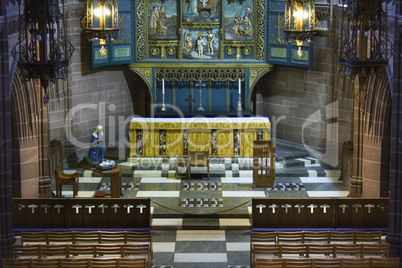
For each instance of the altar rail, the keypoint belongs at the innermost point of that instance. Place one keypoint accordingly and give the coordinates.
(320, 213)
(81, 213)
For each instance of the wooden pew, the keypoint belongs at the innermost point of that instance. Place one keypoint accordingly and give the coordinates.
(75, 263)
(366, 251)
(327, 263)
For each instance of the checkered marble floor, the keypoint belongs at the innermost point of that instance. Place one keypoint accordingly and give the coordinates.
(181, 237)
(201, 248)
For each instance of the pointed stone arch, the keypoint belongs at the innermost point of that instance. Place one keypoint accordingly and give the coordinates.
(29, 139)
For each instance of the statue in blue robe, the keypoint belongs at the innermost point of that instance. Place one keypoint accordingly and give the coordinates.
(96, 147)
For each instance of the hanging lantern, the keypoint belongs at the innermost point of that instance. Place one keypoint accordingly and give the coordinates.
(364, 45)
(42, 50)
(102, 21)
(300, 22)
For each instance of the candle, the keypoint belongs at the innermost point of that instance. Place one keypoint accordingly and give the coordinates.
(239, 86)
(163, 86)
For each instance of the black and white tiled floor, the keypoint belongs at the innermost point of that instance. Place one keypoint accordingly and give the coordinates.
(197, 225)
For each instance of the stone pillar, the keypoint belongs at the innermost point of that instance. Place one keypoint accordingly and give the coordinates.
(6, 231)
(395, 209)
(356, 182)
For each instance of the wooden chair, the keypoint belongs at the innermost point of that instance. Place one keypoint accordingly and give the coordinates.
(138, 251)
(102, 263)
(54, 251)
(86, 237)
(133, 237)
(26, 251)
(348, 251)
(290, 237)
(316, 237)
(355, 263)
(198, 159)
(33, 237)
(298, 263)
(117, 237)
(342, 237)
(74, 263)
(17, 263)
(115, 250)
(385, 263)
(132, 263)
(261, 238)
(375, 250)
(320, 251)
(81, 250)
(293, 250)
(46, 263)
(65, 179)
(268, 263)
(54, 237)
(368, 237)
(264, 251)
(326, 263)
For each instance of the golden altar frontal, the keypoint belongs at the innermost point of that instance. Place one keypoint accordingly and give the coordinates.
(175, 137)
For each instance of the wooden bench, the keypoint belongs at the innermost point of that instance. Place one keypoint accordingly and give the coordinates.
(328, 263)
(76, 263)
(329, 237)
(318, 250)
(50, 251)
(94, 237)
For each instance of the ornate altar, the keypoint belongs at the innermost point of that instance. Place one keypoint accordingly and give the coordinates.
(221, 136)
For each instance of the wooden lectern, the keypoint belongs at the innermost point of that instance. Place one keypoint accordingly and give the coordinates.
(263, 171)
(115, 183)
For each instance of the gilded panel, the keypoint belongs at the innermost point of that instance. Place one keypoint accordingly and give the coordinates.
(155, 140)
(225, 143)
(266, 135)
(247, 138)
(199, 141)
(149, 143)
(133, 149)
(174, 143)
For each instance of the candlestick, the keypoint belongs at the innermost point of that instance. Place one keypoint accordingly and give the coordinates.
(239, 108)
(163, 95)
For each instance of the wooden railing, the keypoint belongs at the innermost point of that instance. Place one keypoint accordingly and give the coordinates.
(78, 213)
(326, 213)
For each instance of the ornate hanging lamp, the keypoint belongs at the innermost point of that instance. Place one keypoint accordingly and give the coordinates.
(300, 22)
(42, 50)
(363, 50)
(364, 45)
(101, 21)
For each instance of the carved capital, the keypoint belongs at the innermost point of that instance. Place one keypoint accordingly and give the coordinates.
(322, 12)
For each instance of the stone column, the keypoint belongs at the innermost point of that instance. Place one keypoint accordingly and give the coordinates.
(6, 231)
(395, 209)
